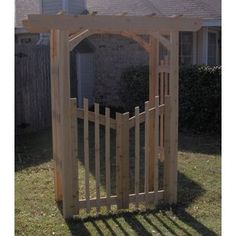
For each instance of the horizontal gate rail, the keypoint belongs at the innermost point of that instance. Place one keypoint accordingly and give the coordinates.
(142, 115)
(132, 199)
(91, 117)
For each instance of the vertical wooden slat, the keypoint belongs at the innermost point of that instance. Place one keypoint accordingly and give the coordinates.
(125, 160)
(107, 157)
(118, 160)
(86, 153)
(166, 77)
(97, 156)
(74, 150)
(161, 100)
(167, 148)
(137, 154)
(122, 160)
(146, 184)
(162, 85)
(171, 183)
(153, 88)
(156, 169)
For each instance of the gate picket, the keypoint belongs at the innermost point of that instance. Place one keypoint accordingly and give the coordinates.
(107, 157)
(137, 154)
(86, 154)
(146, 183)
(97, 155)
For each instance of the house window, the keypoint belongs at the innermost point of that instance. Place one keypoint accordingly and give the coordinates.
(212, 48)
(186, 48)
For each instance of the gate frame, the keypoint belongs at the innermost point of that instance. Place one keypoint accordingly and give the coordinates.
(66, 32)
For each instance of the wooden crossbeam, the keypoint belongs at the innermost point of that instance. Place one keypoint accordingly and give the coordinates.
(75, 39)
(138, 24)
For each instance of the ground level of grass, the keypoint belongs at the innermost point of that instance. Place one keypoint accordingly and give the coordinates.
(198, 211)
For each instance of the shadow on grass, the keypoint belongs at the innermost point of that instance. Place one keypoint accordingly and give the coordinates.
(141, 222)
(200, 143)
(33, 149)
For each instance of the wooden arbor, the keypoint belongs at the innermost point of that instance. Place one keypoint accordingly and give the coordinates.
(66, 32)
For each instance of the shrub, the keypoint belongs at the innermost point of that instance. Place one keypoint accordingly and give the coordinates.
(134, 87)
(200, 98)
(199, 95)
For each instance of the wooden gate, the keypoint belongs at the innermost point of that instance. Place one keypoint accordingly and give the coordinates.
(122, 124)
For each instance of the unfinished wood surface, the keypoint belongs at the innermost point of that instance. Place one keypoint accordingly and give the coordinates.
(86, 154)
(161, 100)
(55, 144)
(69, 204)
(138, 24)
(125, 160)
(146, 156)
(122, 141)
(153, 62)
(142, 115)
(164, 41)
(137, 154)
(107, 157)
(167, 163)
(97, 155)
(91, 117)
(174, 89)
(74, 41)
(132, 197)
(162, 85)
(156, 166)
(74, 150)
(119, 192)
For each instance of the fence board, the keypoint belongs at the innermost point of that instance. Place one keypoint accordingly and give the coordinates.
(97, 155)
(118, 160)
(74, 150)
(146, 184)
(156, 168)
(107, 156)
(137, 154)
(125, 160)
(32, 88)
(86, 154)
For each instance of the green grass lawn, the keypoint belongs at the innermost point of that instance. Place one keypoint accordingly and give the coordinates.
(198, 211)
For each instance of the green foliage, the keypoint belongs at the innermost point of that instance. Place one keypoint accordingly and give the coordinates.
(134, 87)
(200, 98)
(199, 95)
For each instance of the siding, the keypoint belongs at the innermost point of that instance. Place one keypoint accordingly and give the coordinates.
(76, 6)
(51, 6)
(86, 77)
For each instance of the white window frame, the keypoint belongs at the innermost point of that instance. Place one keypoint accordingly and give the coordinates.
(193, 61)
(216, 32)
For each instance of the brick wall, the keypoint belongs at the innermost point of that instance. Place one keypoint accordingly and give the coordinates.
(113, 54)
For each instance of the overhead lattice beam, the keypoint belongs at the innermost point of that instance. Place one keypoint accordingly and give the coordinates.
(136, 24)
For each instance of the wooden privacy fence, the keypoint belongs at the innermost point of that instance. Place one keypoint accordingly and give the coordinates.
(122, 124)
(32, 88)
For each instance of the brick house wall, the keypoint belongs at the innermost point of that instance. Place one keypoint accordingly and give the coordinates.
(113, 54)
